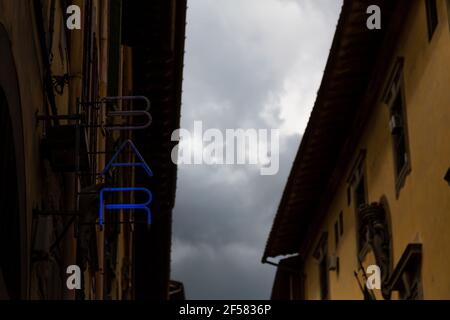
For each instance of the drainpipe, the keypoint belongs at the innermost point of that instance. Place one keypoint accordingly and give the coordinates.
(266, 261)
(48, 83)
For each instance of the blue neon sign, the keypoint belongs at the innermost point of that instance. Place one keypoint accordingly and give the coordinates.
(113, 163)
(125, 206)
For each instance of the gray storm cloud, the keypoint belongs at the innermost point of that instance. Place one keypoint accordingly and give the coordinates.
(249, 64)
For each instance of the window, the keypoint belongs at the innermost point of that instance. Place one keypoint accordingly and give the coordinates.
(349, 195)
(432, 17)
(448, 12)
(336, 234)
(412, 285)
(398, 125)
(398, 134)
(360, 192)
(407, 275)
(360, 200)
(357, 181)
(447, 176)
(338, 229)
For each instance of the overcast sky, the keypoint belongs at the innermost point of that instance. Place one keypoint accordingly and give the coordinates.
(248, 64)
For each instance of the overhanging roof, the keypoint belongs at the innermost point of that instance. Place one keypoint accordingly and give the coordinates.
(350, 67)
(156, 32)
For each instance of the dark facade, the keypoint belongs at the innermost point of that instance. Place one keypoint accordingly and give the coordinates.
(158, 74)
(58, 133)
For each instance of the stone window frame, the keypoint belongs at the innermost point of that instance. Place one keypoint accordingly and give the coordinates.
(396, 89)
(432, 16)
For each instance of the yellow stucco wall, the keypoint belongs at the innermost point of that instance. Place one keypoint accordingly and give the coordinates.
(422, 211)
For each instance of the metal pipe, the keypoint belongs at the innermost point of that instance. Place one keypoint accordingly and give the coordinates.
(60, 117)
(265, 261)
(48, 84)
(122, 98)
